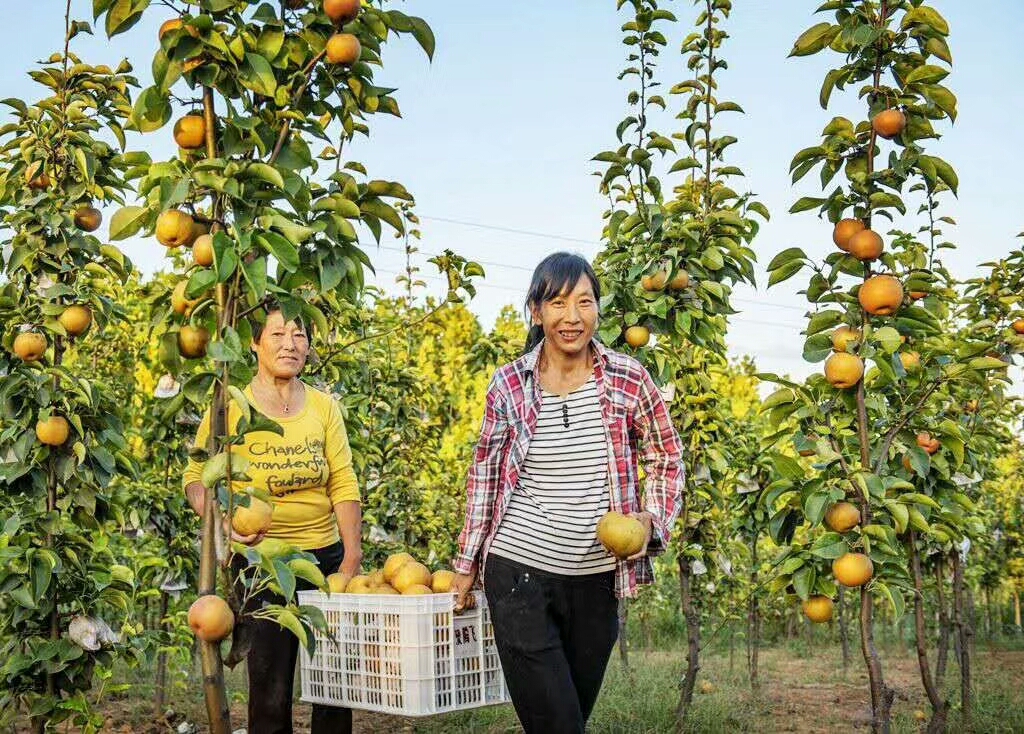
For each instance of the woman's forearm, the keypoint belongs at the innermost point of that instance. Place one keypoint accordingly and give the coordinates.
(350, 526)
(195, 492)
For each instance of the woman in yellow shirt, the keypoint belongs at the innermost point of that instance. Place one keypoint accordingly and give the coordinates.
(308, 474)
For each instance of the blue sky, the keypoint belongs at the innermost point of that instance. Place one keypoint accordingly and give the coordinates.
(500, 128)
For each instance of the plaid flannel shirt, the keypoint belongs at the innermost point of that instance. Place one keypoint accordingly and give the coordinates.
(637, 429)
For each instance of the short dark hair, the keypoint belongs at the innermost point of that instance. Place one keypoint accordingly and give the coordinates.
(270, 307)
(556, 275)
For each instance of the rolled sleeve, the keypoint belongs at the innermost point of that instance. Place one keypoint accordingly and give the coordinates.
(483, 481)
(342, 485)
(661, 454)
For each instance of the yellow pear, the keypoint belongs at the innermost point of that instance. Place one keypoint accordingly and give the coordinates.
(623, 536)
(393, 563)
(411, 573)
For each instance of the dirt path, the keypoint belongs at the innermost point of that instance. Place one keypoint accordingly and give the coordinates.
(801, 694)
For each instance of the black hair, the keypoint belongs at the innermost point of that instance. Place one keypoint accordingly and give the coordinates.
(258, 325)
(555, 276)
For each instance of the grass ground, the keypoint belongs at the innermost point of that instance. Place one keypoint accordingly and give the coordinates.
(803, 691)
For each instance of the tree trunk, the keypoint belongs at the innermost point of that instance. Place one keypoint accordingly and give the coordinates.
(214, 688)
(942, 653)
(964, 634)
(844, 634)
(1016, 609)
(693, 644)
(990, 621)
(753, 619)
(160, 698)
(938, 721)
(623, 630)
(881, 695)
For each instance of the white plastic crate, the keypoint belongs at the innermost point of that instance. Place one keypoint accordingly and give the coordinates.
(407, 655)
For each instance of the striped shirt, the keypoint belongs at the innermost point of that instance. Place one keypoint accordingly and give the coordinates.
(638, 432)
(551, 520)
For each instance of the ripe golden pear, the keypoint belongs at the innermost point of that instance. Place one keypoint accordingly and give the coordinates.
(842, 517)
(889, 123)
(622, 535)
(202, 250)
(911, 361)
(865, 245)
(417, 590)
(53, 431)
(853, 569)
(843, 370)
(818, 609)
(844, 230)
(88, 218)
(386, 589)
(376, 577)
(29, 346)
(638, 336)
(337, 582)
(441, 581)
(680, 281)
(881, 295)
(75, 319)
(253, 519)
(341, 11)
(410, 574)
(343, 48)
(173, 228)
(179, 303)
(393, 563)
(843, 337)
(190, 132)
(192, 341)
(655, 281)
(210, 618)
(359, 585)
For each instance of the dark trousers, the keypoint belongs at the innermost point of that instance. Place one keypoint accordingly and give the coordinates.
(271, 666)
(554, 635)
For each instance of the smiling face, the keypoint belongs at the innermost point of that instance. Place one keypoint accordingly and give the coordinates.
(282, 348)
(569, 319)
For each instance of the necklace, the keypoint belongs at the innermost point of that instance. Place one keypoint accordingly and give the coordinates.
(285, 404)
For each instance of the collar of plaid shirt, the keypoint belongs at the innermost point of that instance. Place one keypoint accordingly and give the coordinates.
(638, 431)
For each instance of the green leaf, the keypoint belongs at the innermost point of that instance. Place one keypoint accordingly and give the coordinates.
(815, 506)
(896, 600)
(152, 110)
(927, 74)
(785, 272)
(829, 546)
(888, 338)
(786, 256)
(424, 35)
(257, 75)
(926, 16)
(814, 39)
(127, 221)
(286, 254)
(265, 172)
(803, 581)
(806, 203)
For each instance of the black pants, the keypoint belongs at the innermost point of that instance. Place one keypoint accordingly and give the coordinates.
(271, 666)
(554, 636)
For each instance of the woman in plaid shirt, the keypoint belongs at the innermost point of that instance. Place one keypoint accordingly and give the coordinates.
(564, 430)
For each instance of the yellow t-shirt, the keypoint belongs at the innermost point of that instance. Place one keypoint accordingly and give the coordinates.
(307, 471)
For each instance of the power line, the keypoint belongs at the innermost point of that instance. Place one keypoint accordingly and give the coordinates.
(512, 230)
(491, 263)
(437, 279)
